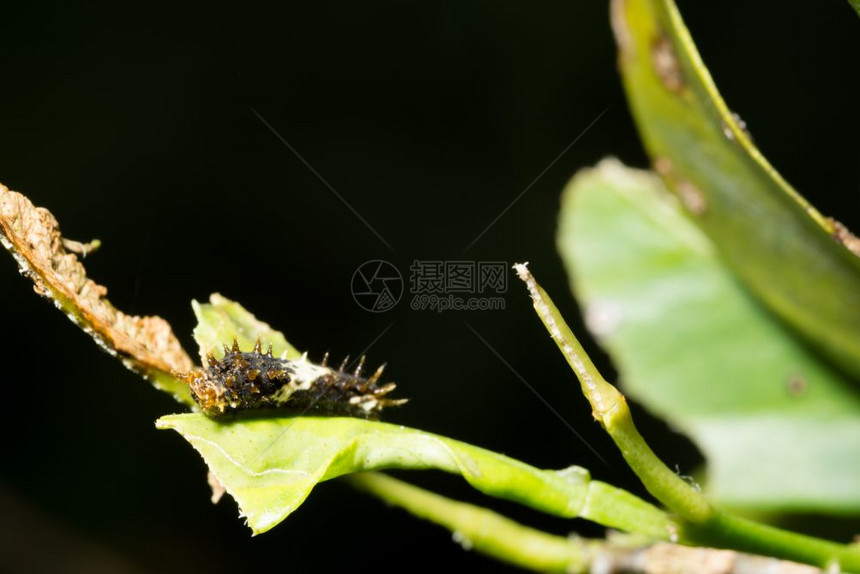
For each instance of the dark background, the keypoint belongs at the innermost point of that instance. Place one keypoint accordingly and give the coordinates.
(429, 119)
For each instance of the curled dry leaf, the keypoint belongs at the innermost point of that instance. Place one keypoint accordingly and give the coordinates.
(145, 345)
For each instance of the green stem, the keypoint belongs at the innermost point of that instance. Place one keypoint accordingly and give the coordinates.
(609, 407)
(727, 531)
(484, 530)
(494, 535)
(701, 522)
(568, 493)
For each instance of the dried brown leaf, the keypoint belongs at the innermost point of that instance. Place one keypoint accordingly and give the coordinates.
(844, 236)
(663, 558)
(145, 345)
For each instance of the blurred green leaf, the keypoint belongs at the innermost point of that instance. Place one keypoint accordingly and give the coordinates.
(856, 5)
(792, 258)
(780, 429)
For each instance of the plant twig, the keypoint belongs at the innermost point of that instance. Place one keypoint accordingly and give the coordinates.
(702, 523)
(492, 534)
(482, 529)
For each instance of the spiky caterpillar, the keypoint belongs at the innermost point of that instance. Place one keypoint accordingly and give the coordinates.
(254, 380)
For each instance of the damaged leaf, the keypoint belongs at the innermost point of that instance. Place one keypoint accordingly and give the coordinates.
(145, 345)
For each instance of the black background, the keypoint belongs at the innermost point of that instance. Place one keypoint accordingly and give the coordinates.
(429, 119)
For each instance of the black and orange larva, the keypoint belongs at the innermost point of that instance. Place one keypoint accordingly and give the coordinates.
(255, 380)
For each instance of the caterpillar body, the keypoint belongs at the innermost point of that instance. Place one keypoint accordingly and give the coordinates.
(243, 381)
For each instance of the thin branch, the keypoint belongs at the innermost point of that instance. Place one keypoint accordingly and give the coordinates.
(501, 538)
(702, 523)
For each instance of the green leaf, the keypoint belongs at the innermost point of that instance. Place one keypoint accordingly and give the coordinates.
(795, 260)
(780, 429)
(270, 465)
(221, 321)
(856, 5)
